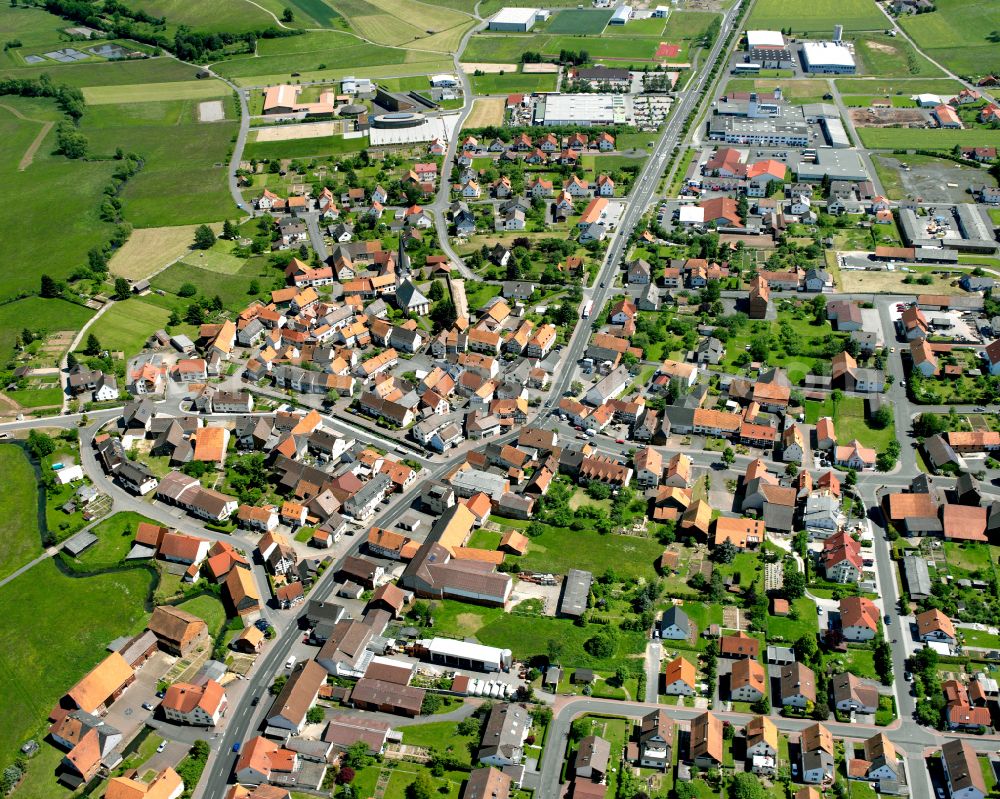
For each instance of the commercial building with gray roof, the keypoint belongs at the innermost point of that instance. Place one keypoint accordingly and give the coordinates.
(576, 590)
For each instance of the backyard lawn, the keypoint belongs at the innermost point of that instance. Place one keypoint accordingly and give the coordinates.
(442, 736)
(559, 549)
(788, 629)
(528, 635)
(114, 540)
(850, 422)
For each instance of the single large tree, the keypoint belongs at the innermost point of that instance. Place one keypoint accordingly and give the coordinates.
(204, 238)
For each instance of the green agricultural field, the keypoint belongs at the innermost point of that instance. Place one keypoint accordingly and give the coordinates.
(174, 90)
(107, 73)
(219, 15)
(218, 259)
(508, 49)
(47, 316)
(315, 51)
(308, 13)
(927, 139)
(55, 243)
(959, 34)
(579, 21)
(411, 62)
(20, 540)
(888, 57)
(126, 325)
(78, 618)
(397, 23)
(818, 16)
(183, 180)
(513, 82)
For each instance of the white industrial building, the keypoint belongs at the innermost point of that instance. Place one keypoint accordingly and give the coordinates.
(352, 85)
(828, 58)
(444, 81)
(465, 655)
(584, 109)
(765, 39)
(518, 20)
(622, 15)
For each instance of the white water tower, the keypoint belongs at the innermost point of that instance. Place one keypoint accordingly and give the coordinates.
(838, 33)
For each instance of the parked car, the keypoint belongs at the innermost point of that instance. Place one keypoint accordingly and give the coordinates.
(147, 706)
(236, 746)
(161, 747)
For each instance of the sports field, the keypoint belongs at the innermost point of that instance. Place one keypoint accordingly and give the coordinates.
(578, 21)
(961, 34)
(178, 90)
(817, 15)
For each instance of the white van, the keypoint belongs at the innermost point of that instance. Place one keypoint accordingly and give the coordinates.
(290, 662)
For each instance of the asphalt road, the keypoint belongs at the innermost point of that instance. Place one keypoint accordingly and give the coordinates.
(639, 199)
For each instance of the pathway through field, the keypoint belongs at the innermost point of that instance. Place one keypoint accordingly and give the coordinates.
(29, 154)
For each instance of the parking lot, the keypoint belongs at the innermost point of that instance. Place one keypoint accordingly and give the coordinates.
(935, 180)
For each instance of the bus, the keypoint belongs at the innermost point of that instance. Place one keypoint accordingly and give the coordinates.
(587, 308)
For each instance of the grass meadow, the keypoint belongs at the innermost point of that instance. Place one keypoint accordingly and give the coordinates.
(53, 629)
(20, 540)
(959, 34)
(219, 15)
(184, 177)
(315, 51)
(173, 90)
(40, 315)
(513, 82)
(44, 236)
(888, 57)
(927, 139)
(125, 326)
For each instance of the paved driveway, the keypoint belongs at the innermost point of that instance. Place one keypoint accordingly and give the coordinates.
(127, 714)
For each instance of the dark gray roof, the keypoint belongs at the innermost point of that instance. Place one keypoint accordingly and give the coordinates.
(576, 589)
